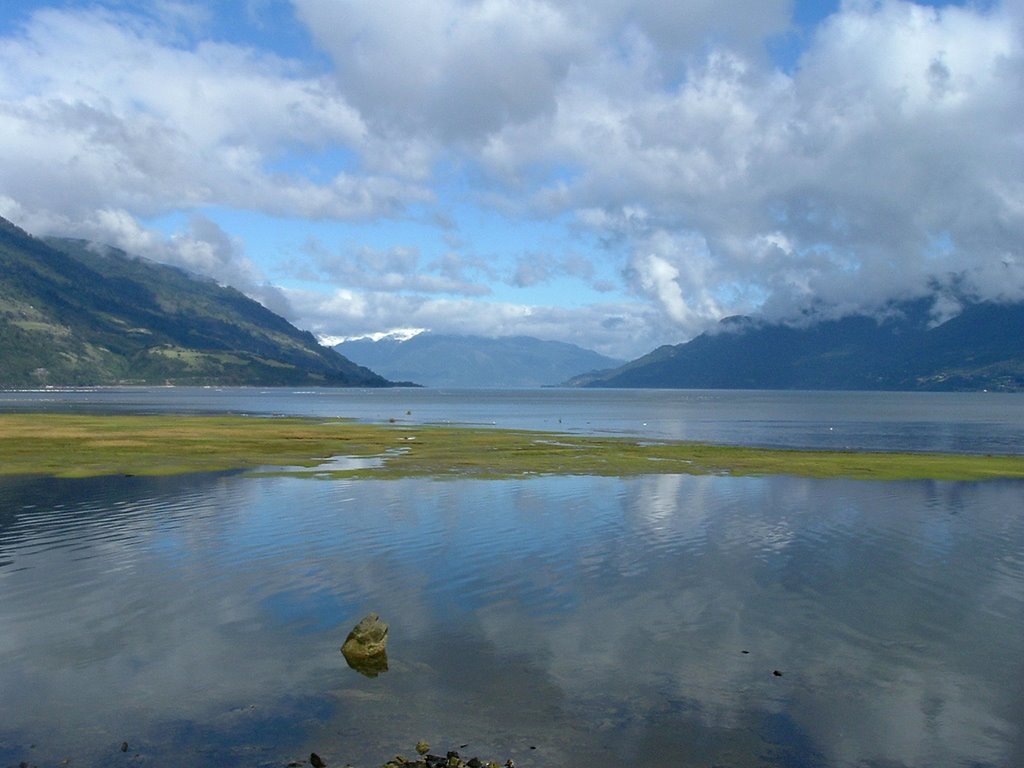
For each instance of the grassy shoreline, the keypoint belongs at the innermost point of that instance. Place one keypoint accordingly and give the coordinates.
(77, 445)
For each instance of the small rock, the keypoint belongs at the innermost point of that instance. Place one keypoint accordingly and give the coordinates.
(422, 747)
(365, 648)
(777, 673)
(474, 762)
(368, 638)
(316, 761)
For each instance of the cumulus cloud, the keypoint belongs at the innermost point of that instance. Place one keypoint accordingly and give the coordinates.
(832, 183)
(881, 161)
(100, 109)
(449, 69)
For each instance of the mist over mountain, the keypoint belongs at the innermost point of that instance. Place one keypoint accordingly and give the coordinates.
(74, 313)
(441, 360)
(981, 348)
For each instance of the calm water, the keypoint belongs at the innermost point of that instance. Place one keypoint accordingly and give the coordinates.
(557, 621)
(915, 421)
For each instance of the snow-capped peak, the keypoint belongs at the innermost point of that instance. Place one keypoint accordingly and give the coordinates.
(395, 334)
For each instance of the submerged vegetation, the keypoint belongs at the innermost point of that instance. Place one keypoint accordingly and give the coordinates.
(76, 445)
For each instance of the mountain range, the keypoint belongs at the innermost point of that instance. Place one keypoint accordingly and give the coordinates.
(442, 360)
(73, 313)
(76, 313)
(901, 349)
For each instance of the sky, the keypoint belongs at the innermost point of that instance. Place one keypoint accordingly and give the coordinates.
(614, 174)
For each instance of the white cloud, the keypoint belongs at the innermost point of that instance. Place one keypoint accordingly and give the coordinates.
(99, 109)
(612, 329)
(898, 127)
(713, 181)
(450, 69)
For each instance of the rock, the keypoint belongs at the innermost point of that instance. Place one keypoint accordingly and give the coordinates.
(316, 761)
(371, 666)
(422, 747)
(368, 638)
(365, 648)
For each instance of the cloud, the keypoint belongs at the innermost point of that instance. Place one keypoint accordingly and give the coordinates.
(396, 269)
(880, 160)
(447, 69)
(106, 110)
(614, 329)
(895, 130)
(539, 268)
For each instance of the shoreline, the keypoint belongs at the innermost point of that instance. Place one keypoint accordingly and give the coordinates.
(86, 445)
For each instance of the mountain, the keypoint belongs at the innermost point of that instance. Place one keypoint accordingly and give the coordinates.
(440, 360)
(981, 348)
(72, 313)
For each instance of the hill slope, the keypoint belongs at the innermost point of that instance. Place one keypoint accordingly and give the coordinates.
(982, 348)
(440, 360)
(72, 314)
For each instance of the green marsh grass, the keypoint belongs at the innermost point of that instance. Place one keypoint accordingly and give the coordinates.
(76, 445)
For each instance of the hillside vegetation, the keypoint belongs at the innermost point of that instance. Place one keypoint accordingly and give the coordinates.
(72, 313)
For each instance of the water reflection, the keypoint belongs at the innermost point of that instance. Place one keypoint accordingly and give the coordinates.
(560, 621)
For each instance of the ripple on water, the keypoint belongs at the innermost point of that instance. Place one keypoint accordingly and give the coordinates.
(600, 600)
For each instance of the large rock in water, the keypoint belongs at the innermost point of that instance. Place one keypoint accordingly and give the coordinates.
(365, 648)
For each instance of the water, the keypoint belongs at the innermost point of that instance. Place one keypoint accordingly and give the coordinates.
(557, 621)
(910, 421)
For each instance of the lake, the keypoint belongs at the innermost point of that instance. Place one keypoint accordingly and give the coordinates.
(558, 621)
(903, 421)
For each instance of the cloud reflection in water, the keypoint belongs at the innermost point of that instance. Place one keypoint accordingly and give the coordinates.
(596, 619)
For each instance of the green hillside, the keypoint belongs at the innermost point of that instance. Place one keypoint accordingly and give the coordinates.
(981, 348)
(75, 314)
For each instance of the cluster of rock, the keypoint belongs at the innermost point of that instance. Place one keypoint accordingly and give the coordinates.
(424, 760)
(450, 760)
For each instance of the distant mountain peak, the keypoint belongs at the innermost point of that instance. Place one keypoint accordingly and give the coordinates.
(395, 334)
(449, 360)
